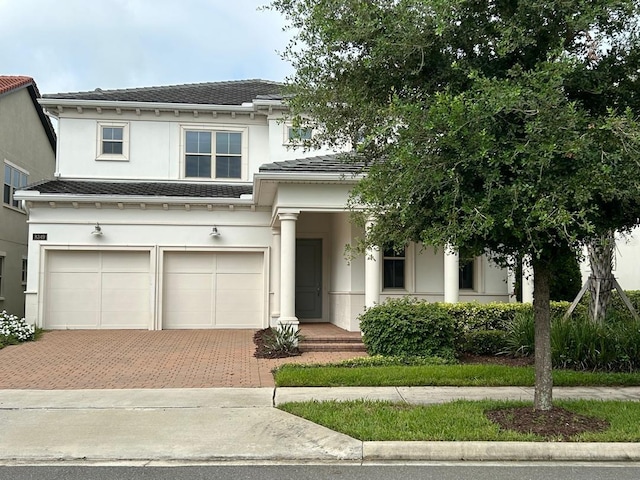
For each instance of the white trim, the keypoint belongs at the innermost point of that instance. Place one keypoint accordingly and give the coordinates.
(222, 128)
(124, 157)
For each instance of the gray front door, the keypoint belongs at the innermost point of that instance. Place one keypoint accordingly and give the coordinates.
(309, 278)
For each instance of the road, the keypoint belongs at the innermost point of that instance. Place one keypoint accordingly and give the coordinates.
(459, 471)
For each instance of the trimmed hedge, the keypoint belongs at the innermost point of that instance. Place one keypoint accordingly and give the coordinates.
(408, 327)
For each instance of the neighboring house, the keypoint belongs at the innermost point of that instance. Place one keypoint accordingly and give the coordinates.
(189, 207)
(27, 153)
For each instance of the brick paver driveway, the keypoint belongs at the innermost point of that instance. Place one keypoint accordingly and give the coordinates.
(96, 359)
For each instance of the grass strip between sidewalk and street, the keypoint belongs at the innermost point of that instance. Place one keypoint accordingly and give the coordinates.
(459, 420)
(462, 375)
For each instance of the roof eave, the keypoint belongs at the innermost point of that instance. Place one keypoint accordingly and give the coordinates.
(55, 103)
(36, 196)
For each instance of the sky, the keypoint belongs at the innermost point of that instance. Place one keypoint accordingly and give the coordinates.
(81, 45)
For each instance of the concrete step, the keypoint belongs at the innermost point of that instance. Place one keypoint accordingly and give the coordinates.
(332, 347)
(334, 339)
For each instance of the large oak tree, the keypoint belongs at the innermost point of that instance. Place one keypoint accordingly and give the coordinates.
(502, 127)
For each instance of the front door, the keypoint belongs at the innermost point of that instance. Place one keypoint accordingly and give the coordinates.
(309, 278)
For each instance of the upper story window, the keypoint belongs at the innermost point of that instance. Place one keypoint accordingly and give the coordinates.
(113, 141)
(297, 135)
(14, 179)
(393, 265)
(216, 154)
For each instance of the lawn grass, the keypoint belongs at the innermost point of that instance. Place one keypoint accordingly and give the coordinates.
(460, 420)
(439, 375)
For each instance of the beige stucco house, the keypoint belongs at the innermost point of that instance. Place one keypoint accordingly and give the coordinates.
(27, 152)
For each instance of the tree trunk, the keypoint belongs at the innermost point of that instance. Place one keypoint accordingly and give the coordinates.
(601, 280)
(543, 397)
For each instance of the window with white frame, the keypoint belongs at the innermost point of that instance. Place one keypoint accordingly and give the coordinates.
(2, 274)
(113, 141)
(213, 154)
(394, 268)
(14, 179)
(24, 271)
(298, 134)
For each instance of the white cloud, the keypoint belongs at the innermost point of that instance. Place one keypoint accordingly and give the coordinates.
(72, 45)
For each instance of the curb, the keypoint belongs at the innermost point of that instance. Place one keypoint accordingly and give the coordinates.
(500, 451)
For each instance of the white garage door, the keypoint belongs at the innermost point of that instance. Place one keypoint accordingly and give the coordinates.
(213, 290)
(90, 289)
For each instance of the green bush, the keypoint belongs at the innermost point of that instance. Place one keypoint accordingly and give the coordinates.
(405, 327)
(484, 342)
(580, 344)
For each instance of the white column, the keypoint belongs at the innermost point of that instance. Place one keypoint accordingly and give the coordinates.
(527, 280)
(275, 276)
(288, 268)
(371, 274)
(451, 275)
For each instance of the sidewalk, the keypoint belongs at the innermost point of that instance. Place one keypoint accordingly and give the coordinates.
(240, 424)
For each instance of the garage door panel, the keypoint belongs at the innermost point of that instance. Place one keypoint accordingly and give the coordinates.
(239, 263)
(134, 281)
(245, 301)
(73, 261)
(73, 320)
(184, 281)
(125, 262)
(189, 262)
(74, 281)
(242, 281)
(70, 300)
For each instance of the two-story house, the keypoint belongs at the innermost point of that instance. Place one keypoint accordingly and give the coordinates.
(27, 153)
(189, 207)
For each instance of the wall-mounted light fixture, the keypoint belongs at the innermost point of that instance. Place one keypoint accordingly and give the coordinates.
(97, 230)
(214, 232)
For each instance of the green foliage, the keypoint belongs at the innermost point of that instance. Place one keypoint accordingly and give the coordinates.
(484, 342)
(581, 344)
(281, 341)
(405, 327)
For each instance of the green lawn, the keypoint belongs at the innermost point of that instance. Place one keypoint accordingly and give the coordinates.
(455, 421)
(439, 375)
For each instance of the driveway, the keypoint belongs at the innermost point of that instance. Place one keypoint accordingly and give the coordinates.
(115, 359)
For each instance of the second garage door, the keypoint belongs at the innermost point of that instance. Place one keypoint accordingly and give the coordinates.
(213, 290)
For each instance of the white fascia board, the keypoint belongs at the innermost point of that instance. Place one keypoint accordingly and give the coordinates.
(35, 196)
(308, 177)
(190, 107)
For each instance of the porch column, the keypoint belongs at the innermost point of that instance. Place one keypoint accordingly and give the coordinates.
(527, 280)
(371, 274)
(275, 276)
(451, 275)
(288, 268)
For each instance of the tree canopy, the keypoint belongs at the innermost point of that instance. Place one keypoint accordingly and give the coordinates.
(499, 126)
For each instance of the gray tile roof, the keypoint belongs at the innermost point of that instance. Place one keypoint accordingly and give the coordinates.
(213, 93)
(151, 189)
(319, 164)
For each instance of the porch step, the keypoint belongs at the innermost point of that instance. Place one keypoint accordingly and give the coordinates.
(332, 344)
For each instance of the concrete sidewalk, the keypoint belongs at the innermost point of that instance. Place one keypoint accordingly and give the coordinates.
(241, 424)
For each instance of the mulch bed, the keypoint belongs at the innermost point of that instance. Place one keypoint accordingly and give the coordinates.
(261, 340)
(556, 424)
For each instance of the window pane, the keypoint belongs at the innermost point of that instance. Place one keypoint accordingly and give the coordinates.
(117, 133)
(23, 180)
(466, 276)
(228, 143)
(16, 178)
(198, 142)
(393, 273)
(112, 148)
(6, 197)
(228, 167)
(198, 166)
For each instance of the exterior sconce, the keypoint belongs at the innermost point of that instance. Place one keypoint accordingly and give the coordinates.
(214, 232)
(97, 230)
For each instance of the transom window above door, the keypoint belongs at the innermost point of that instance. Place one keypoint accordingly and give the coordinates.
(213, 154)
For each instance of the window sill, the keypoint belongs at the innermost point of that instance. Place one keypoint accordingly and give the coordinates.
(15, 209)
(112, 158)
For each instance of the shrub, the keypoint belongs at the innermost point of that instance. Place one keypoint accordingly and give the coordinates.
(279, 342)
(580, 344)
(484, 342)
(406, 327)
(14, 330)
